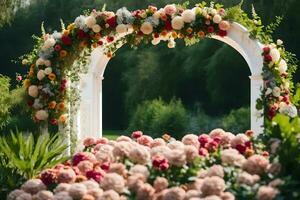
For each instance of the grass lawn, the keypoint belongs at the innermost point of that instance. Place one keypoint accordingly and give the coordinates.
(112, 134)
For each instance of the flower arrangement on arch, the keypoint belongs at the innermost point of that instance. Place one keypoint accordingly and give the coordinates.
(218, 165)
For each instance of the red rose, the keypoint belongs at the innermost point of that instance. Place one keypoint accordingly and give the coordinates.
(57, 47)
(112, 22)
(217, 140)
(156, 35)
(265, 153)
(211, 146)
(222, 33)
(210, 29)
(268, 58)
(66, 40)
(241, 148)
(100, 42)
(81, 34)
(203, 139)
(158, 160)
(271, 113)
(203, 152)
(110, 38)
(53, 121)
(164, 166)
(266, 50)
(105, 166)
(96, 175)
(48, 176)
(168, 26)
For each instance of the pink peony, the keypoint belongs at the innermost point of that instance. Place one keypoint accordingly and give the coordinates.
(62, 187)
(110, 195)
(191, 139)
(140, 169)
(139, 154)
(145, 192)
(157, 142)
(224, 25)
(227, 196)
(232, 157)
(102, 141)
(105, 154)
(145, 140)
(136, 134)
(203, 152)
(266, 193)
(216, 170)
(95, 192)
(247, 179)
(256, 164)
(66, 176)
(218, 132)
(176, 158)
(24, 196)
(118, 168)
(122, 149)
(33, 186)
(77, 190)
(160, 184)
(170, 9)
(113, 181)
(191, 153)
(133, 182)
(203, 139)
(213, 186)
(90, 184)
(175, 193)
(90, 141)
(176, 145)
(77, 158)
(14, 194)
(62, 196)
(97, 175)
(123, 138)
(44, 195)
(85, 166)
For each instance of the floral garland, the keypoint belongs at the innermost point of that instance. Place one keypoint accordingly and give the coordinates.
(51, 61)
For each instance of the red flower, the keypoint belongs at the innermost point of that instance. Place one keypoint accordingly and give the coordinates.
(164, 166)
(53, 121)
(81, 34)
(30, 103)
(268, 58)
(105, 166)
(136, 134)
(158, 160)
(96, 175)
(112, 22)
(66, 40)
(110, 38)
(168, 26)
(203, 139)
(140, 33)
(210, 29)
(248, 144)
(265, 154)
(203, 152)
(57, 47)
(77, 158)
(266, 50)
(48, 176)
(217, 140)
(211, 146)
(100, 42)
(241, 148)
(222, 33)
(156, 35)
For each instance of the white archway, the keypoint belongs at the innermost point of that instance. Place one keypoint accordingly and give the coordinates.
(89, 116)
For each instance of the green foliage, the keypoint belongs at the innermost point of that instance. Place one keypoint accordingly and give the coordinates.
(7, 10)
(157, 117)
(237, 121)
(28, 155)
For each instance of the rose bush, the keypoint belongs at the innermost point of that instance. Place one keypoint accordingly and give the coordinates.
(217, 165)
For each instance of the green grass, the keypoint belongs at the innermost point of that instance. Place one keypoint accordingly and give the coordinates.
(112, 134)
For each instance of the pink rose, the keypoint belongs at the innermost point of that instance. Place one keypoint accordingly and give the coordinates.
(145, 140)
(170, 9)
(224, 25)
(203, 152)
(136, 134)
(81, 156)
(89, 141)
(203, 139)
(95, 174)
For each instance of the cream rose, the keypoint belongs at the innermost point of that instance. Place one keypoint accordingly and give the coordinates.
(188, 16)
(224, 25)
(90, 21)
(41, 115)
(41, 74)
(217, 19)
(121, 28)
(177, 23)
(147, 28)
(48, 70)
(96, 28)
(276, 91)
(282, 66)
(170, 9)
(275, 54)
(33, 91)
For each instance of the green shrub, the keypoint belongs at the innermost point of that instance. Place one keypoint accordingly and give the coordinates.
(237, 120)
(157, 117)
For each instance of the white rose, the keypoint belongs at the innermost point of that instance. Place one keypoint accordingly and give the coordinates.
(147, 28)
(279, 42)
(40, 75)
(50, 42)
(275, 54)
(282, 66)
(213, 12)
(39, 61)
(268, 91)
(129, 28)
(177, 23)
(47, 63)
(96, 28)
(48, 70)
(156, 15)
(276, 91)
(289, 110)
(155, 41)
(188, 16)
(41, 115)
(121, 28)
(33, 91)
(217, 19)
(90, 21)
(171, 44)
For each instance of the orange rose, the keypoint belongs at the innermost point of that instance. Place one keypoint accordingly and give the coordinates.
(52, 105)
(201, 34)
(109, 54)
(63, 53)
(94, 45)
(180, 35)
(63, 118)
(189, 30)
(83, 44)
(164, 33)
(31, 73)
(66, 32)
(97, 36)
(60, 106)
(52, 76)
(174, 34)
(70, 26)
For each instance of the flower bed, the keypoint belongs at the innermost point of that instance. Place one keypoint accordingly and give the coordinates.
(213, 166)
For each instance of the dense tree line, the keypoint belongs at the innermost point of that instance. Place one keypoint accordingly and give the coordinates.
(209, 76)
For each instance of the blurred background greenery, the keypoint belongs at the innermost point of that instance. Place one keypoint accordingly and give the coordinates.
(155, 89)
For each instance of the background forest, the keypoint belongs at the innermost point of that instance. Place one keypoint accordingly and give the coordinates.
(186, 89)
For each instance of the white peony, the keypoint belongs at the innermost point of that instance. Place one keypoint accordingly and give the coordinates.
(276, 91)
(275, 54)
(41, 74)
(155, 41)
(217, 19)
(213, 12)
(48, 70)
(282, 66)
(188, 16)
(39, 61)
(171, 44)
(121, 28)
(90, 21)
(279, 42)
(50, 42)
(33, 91)
(41, 115)
(177, 23)
(96, 28)
(147, 28)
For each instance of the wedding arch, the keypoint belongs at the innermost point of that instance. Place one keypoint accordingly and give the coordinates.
(66, 69)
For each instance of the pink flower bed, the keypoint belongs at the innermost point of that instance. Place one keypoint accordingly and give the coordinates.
(214, 166)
